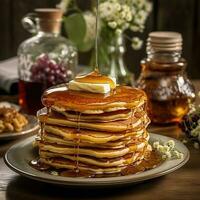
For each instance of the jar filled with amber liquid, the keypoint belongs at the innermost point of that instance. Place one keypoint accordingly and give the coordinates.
(163, 78)
(44, 60)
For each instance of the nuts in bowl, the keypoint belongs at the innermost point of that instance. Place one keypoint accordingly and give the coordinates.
(11, 120)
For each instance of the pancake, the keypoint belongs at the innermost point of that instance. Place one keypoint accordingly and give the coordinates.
(103, 117)
(132, 123)
(121, 98)
(85, 164)
(67, 164)
(121, 143)
(121, 161)
(94, 152)
(89, 136)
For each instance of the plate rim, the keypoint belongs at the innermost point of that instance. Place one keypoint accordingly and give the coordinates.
(71, 181)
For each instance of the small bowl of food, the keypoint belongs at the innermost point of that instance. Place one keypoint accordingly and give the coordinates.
(14, 124)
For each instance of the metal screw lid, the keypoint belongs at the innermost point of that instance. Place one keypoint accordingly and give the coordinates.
(164, 41)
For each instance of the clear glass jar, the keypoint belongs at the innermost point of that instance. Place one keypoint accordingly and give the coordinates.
(111, 59)
(45, 59)
(164, 79)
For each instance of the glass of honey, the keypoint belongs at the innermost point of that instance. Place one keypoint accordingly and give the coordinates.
(164, 79)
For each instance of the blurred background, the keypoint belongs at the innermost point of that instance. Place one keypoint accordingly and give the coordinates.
(178, 15)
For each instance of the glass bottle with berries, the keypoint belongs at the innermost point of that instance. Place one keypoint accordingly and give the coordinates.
(45, 59)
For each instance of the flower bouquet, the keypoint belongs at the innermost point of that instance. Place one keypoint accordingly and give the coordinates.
(116, 17)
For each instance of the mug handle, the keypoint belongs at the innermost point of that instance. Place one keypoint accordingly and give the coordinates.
(29, 23)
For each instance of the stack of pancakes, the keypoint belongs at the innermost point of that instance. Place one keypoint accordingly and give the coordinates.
(94, 132)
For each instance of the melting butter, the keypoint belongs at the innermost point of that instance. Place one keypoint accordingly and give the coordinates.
(89, 87)
(93, 82)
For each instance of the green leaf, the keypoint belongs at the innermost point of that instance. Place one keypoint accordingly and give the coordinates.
(85, 46)
(75, 27)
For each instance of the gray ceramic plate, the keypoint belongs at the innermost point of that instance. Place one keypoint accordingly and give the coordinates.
(29, 128)
(18, 157)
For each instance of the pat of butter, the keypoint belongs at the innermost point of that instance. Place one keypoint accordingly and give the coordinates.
(89, 87)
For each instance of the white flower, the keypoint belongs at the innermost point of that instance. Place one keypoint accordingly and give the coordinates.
(63, 5)
(164, 157)
(170, 144)
(135, 28)
(136, 43)
(111, 11)
(129, 17)
(196, 145)
(142, 15)
(90, 21)
(181, 156)
(107, 10)
(55, 173)
(166, 149)
(156, 144)
(177, 155)
(118, 7)
(123, 14)
(184, 141)
(112, 25)
(118, 31)
(133, 11)
(196, 132)
(161, 149)
(148, 6)
(168, 154)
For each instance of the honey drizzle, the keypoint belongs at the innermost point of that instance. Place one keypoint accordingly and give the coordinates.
(42, 130)
(130, 126)
(97, 37)
(77, 144)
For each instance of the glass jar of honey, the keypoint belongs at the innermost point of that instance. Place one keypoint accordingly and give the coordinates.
(164, 79)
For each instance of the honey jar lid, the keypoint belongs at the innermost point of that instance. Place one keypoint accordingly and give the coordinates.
(165, 41)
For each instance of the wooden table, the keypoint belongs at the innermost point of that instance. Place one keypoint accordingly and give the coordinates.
(183, 184)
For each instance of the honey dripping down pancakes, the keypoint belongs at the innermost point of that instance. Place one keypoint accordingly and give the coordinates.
(93, 127)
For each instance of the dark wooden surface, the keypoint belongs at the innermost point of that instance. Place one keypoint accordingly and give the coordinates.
(183, 184)
(177, 15)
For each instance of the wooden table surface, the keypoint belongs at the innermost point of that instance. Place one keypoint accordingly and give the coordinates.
(183, 184)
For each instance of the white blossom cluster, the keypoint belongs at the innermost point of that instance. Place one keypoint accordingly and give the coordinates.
(90, 21)
(55, 173)
(196, 133)
(168, 150)
(116, 16)
(120, 15)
